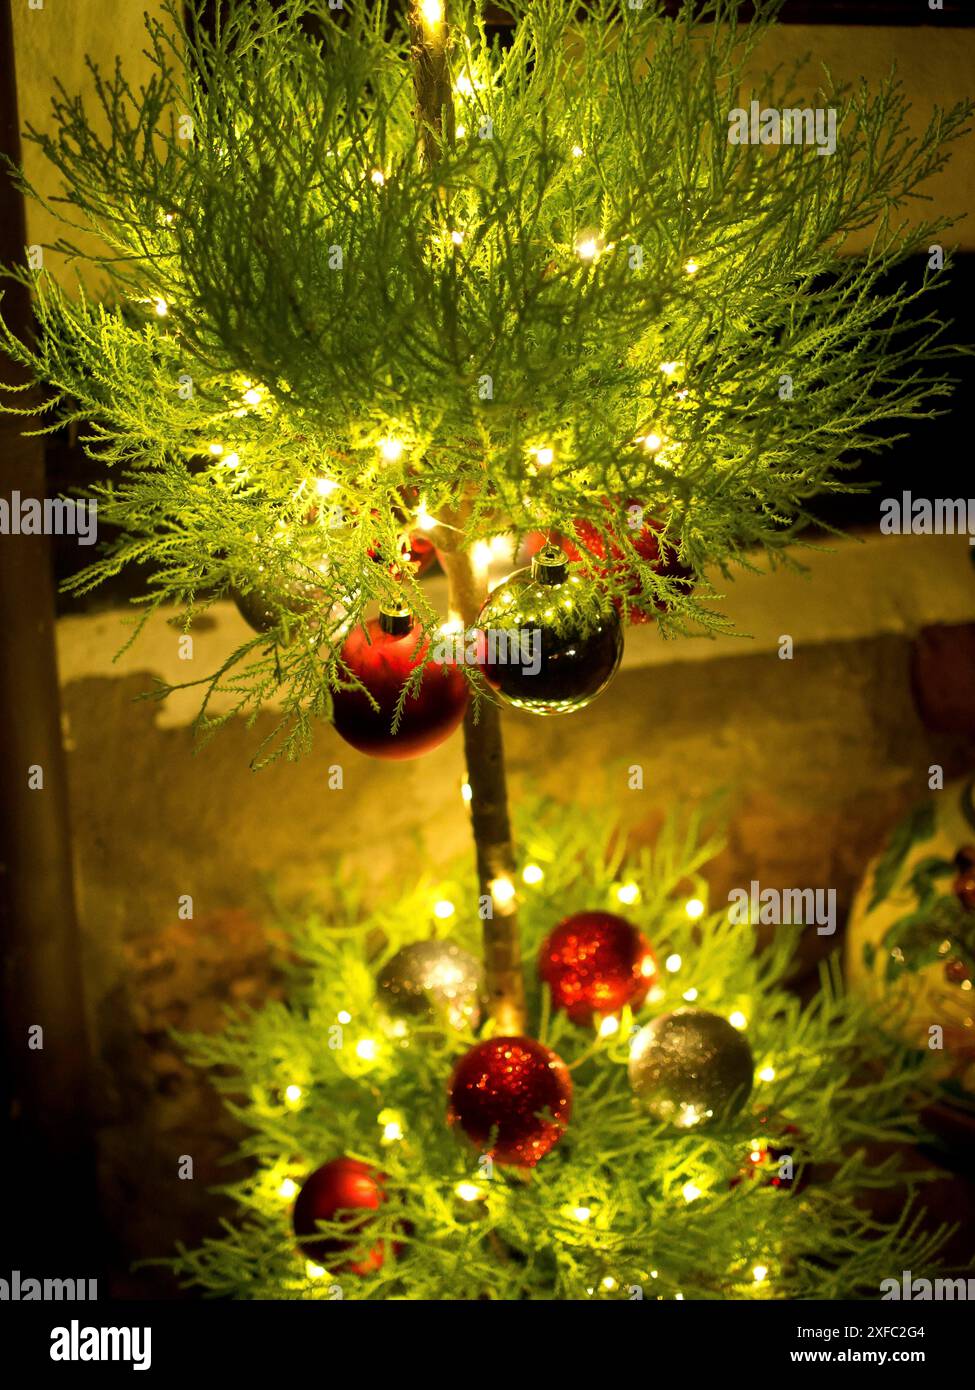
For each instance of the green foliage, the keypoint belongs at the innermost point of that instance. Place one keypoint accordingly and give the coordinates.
(239, 189)
(841, 1091)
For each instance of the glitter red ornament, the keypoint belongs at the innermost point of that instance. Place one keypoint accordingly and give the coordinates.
(338, 1190)
(964, 885)
(766, 1162)
(383, 656)
(615, 563)
(516, 1090)
(594, 963)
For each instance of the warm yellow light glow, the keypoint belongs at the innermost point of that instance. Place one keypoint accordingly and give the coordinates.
(690, 1192)
(288, 1189)
(678, 1298)
(544, 455)
(293, 1095)
(627, 893)
(468, 1191)
(162, 308)
(669, 368)
(314, 1271)
(502, 890)
(391, 449)
(431, 12)
(587, 249)
(457, 237)
(325, 486)
(582, 1213)
(738, 1019)
(423, 519)
(377, 177)
(232, 460)
(609, 1283)
(609, 1026)
(366, 1049)
(691, 266)
(690, 995)
(531, 873)
(577, 151)
(673, 963)
(460, 131)
(392, 1131)
(344, 1016)
(253, 396)
(759, 1273)
(466, 792)
(443, 909)
(767, 1074)
(652, 442)
(481, 554)
(216, 450)
(694, 908)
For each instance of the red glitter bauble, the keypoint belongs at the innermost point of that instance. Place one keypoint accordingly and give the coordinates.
(618, 564)
(764, 1163)
(515, 1089)
(339, 1190)
(594, 963)
(384, 661)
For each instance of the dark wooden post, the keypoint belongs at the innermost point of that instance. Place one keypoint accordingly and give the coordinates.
(48, 1172)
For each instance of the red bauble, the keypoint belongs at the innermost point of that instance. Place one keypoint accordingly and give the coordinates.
(594, 963)
(344, 1186)
(619, 565)
(516, 1089)
(764, 1162)
(384, 660)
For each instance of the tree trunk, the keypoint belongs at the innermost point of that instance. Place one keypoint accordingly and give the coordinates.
(482, 737)
(489, 820)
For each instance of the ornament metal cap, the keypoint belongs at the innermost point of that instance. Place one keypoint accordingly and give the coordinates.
(550, 565)
(395, 622)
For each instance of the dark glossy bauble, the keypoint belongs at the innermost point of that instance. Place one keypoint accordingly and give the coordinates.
(384, 661)
(547, 641)
(430, 982)
(264, 607)
(691, 1069)
(516, 1089)
(344, 1189)
(594, 963)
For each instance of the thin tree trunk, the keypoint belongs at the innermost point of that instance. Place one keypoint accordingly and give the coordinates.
(489, 820)
(482, 739)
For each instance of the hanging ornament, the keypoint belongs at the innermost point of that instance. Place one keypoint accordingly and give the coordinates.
(964, 885)
(264, 605)
(430, 981)
(336, 1191)
(594, 963)
(383, 655)
(547, 642)
(516, 1090)
(614, 562)
(691, 1069)
(775, 1164)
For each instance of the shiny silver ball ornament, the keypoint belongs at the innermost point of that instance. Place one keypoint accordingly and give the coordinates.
(430, 982)
(548, 641)
(691, 1069)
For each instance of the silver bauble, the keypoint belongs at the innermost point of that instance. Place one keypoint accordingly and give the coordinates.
(691, 1069)
(429, 982)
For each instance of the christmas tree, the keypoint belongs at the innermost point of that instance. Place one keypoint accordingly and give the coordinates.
(380, 288)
